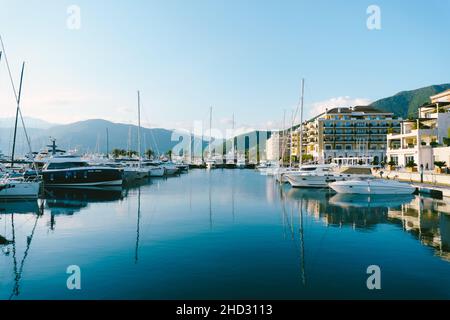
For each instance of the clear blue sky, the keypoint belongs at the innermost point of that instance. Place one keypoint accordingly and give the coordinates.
(245, 57)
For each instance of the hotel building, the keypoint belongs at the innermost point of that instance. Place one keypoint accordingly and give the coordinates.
(355, 132)
(421, 140)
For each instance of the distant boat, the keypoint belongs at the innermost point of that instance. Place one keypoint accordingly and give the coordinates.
(170, 168)
(154, 168)
(372, 186)
(240, 163)
(76, 172)
(210, 163)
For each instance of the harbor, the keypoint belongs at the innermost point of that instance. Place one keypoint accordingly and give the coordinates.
(224, 155)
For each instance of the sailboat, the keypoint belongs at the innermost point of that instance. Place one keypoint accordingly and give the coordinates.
(134, 168)
(18, 188)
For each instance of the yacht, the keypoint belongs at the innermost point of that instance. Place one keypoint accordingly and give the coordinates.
(320, 175)
(268, 168)
(240, 163)
(71, 171)
(372, 186)
(18, 189)
(134, 168)
(170, 168)
(210, 163)
(154, 168)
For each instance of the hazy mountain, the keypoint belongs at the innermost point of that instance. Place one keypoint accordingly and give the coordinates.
(29, 123)
(405, 104)
(90, 135)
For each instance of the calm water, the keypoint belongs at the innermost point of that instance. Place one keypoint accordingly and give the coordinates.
(224, 234)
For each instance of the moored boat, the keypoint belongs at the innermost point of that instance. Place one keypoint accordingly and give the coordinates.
(18, 189)
(72, 171)
(372, 186)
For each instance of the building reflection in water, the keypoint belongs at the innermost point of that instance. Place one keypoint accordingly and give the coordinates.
(426, 218)
(429, 221)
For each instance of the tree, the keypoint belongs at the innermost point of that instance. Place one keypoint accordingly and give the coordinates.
(169, 154)
(149, 153)
(440, 164)
(119, 152)
(307, 157)
(411, 164)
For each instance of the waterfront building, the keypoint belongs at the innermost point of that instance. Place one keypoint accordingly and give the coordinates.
(275, 146)
(355, 132)
(422, 140)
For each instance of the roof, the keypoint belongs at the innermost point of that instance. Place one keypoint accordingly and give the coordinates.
(365, 109)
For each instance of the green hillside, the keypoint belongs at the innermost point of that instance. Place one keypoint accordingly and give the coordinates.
(405, 104)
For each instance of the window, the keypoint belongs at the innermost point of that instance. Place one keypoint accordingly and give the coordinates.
(327, 147)
(348, 147)
(338, 147)
(409, 159)
(394, 159)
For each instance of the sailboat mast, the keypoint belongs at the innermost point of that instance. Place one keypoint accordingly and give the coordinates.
(290, 139)
(210, 129)
(17, 116)
(284, 141)
(139, 127)
(301, 122)
(107, 143)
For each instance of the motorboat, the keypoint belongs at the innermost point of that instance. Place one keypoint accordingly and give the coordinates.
(71, 171)
(19, 189)
(372, 186)
(311, 176)
(267, 168)
(240, 163)
(170, 168)
(210, 163)
(136, 169)
(154, 168)
(321, 175)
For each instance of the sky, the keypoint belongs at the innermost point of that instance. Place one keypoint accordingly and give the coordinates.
(242, 57)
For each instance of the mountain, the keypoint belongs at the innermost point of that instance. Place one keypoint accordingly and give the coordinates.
(405, 104)
(90, 135)
(29, 123)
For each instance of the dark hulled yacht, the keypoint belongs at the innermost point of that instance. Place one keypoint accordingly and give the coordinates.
(71, 171)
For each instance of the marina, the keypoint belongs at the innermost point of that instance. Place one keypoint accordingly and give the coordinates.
(227, 151)
(222, 230)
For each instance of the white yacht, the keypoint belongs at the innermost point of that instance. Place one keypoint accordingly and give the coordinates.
(268, 168)
(210, 163)
(240, 163)
(319, 176)
(18, 189)
(155, 169)
(372, 186)
(170, 168)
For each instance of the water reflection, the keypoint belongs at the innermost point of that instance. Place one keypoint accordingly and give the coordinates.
(218, 229)
(426, 218)
(9, 211)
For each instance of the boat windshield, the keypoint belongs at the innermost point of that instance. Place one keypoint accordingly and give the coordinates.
(66, 165)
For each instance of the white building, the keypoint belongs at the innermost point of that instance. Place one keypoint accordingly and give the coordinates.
(274, 146)
(356, 132)
(419, 138)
